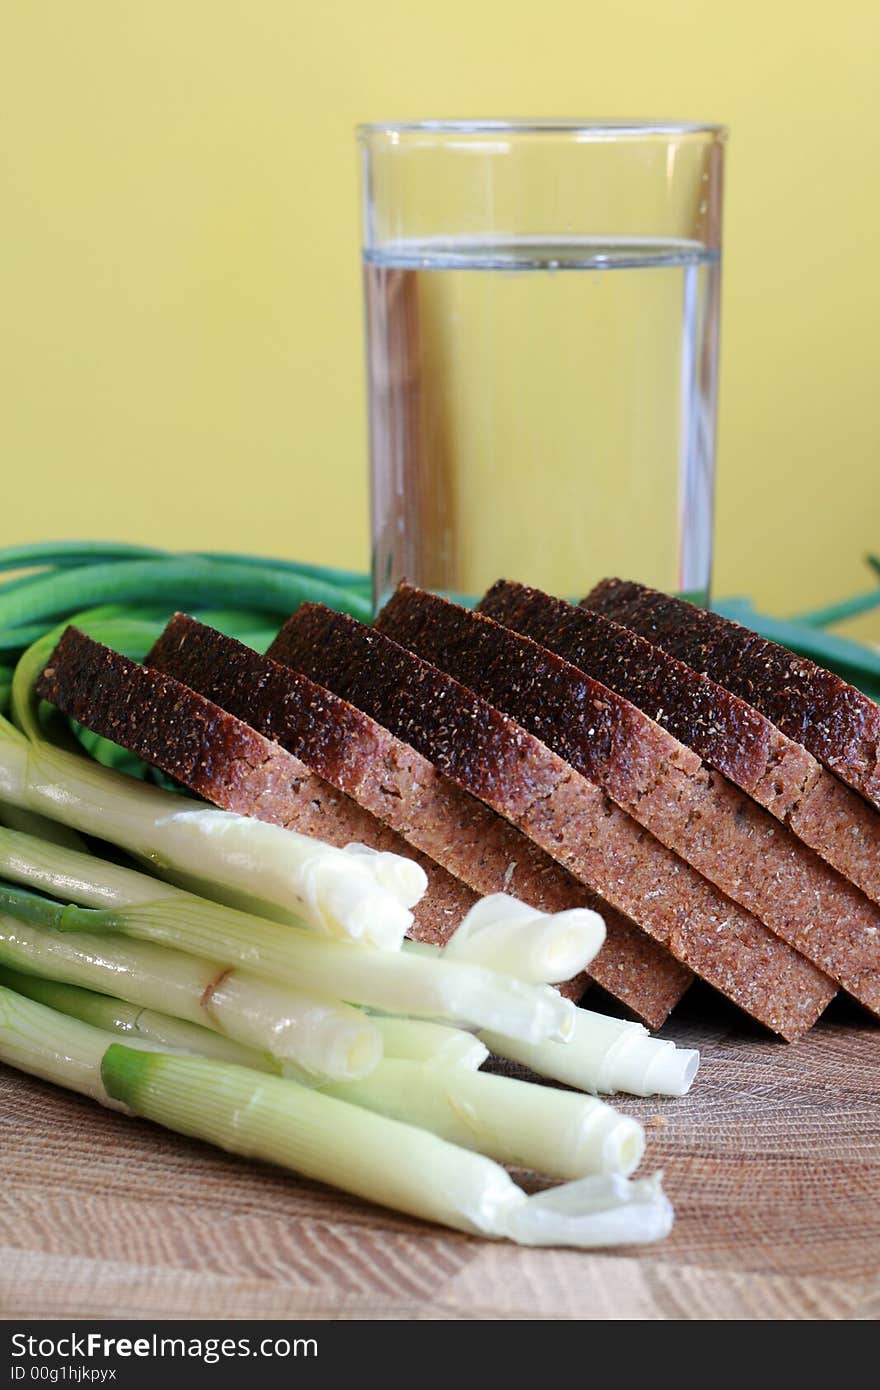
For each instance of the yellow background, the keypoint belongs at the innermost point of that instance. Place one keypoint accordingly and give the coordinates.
(181, 344)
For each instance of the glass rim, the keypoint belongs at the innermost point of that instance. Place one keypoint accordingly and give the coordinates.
(599, 128)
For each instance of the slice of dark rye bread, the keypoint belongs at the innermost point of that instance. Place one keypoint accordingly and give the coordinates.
(663, 785)
(729, 734)
(837, 723)
(225, 761)
(518, 776)
(404, 790)
(832, 923)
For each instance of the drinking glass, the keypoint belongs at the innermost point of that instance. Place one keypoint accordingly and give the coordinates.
(542, 305)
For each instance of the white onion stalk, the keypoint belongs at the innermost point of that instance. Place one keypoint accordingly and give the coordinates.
(415, 1040)
(321, 1037)
(13, 765)
(299, 878)
(545, 947)
(596, 1211)
(31, 824)
(75, 875)
(394, 982)
(404, 878)
(54, 1047)
(517, 1122)
(259, 1116)
(606, 1055)
(318, 1136)
(133, 1022)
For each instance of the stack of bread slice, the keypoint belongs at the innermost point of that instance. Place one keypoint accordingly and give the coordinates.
(712, 795)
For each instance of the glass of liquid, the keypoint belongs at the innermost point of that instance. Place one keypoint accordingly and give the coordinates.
(542, 303)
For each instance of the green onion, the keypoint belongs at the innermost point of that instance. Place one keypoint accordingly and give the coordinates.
(415, 1040)
(69, 872)
(222, 854)
(736, 607)
(315, 1134)
(606, 1054)
(382, 1160)
(321, 1037)
(839, 612)
(300, 880)
(508, 935)
(81, 574)
(52, 1046)
(29, 823)
(18, 639)
(516, 1122)
(185, 581)
(51, 553)
(8, 586)
(340, 578)
(116, 1016)
(595, 1211)
(395, 982)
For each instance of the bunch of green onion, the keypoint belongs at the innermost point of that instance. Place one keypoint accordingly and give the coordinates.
(290, 1020)
(247, 597)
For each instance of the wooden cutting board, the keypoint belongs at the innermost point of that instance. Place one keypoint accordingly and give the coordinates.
(772, 1162)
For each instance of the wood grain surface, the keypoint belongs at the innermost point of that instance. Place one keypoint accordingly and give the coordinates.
(772, 1162)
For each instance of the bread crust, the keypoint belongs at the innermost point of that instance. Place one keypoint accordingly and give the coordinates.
(817, 911)
(497, 760)
(838, 724)
(388, 778)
